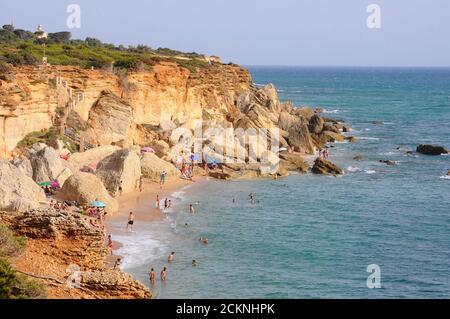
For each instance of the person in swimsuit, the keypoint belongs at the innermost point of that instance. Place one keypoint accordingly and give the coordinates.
(117, 264)
(164, 274)
(157, 202)
(120, 188)
(166, 203)
(194, 263)
(191, 209)
(130, 221)
(152, 276)
(110, 244)
(171, 257)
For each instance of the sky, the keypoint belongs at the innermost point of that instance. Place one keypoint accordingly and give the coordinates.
(258, 32)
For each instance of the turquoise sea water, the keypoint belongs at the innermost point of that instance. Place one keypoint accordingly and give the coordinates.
(313, 236)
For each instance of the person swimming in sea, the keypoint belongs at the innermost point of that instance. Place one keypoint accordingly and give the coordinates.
(152, 276)
(191, 209)
(204, 240)
(171, 257)
(194, 263)
(164, 274)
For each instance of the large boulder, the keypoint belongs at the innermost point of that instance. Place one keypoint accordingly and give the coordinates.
(18, 192)
(48, 166)
(333, 137)
(110, 118)
(286, 121)
(305, 112)
(431, 149)
(316, 124)
(24, 165)
(294, 162)
(122, 168)
(324, 167)
(300, 138)
(152, 167)
(161, 148)
(86, 188)
(90, 157)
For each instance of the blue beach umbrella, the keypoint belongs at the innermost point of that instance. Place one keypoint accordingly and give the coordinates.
(98, 204)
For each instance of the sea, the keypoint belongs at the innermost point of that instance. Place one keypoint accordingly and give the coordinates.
(377, 231)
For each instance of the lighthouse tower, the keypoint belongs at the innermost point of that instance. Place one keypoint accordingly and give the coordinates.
(40, 33)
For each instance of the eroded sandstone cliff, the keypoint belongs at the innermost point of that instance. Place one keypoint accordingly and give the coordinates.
(30, 96)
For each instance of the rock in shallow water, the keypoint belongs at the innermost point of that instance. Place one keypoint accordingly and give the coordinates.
(431, 149)
(324, 167)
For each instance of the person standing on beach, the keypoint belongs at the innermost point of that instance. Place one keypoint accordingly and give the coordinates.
(166, 203)
(162, 178)
(158, 203)
(117, 264)
(164, 274)
(169, 204)
(191, 209)
(171, 257)
(152, 276)
(130, 221)
(110, 244)
(120, 188)
(141, 183)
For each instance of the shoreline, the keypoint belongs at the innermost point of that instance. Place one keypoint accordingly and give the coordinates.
(143, 205)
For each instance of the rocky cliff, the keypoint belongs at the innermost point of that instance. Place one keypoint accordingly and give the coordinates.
(30, 96)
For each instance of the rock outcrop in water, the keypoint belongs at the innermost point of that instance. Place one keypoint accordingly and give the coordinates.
(324, 167)
(431, 149)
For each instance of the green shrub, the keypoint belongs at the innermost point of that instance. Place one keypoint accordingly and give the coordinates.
(17, 286)
(10, 245)
(4, 67)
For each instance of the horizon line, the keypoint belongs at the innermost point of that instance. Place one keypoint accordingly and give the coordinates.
(350, 66)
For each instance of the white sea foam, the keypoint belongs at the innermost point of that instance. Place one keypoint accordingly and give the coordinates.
(178, 194)
(370, 171)
(445, 177)
(138, 248)
(353, 169)
(369, 138)
(331, 111)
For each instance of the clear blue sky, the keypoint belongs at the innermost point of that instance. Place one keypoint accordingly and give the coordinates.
(259, 32)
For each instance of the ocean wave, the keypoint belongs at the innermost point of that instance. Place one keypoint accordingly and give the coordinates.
(353, 169)
(139, 248)
(370, 171)
(445, 177)
(369, 138)
(178, 194)
(331, 111)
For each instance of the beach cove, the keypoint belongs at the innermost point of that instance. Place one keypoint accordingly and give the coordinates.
(313, 236)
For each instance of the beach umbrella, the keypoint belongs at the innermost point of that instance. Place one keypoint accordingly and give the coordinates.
(194, 157)
(98, 204)
(54, 184)
(45, 184)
